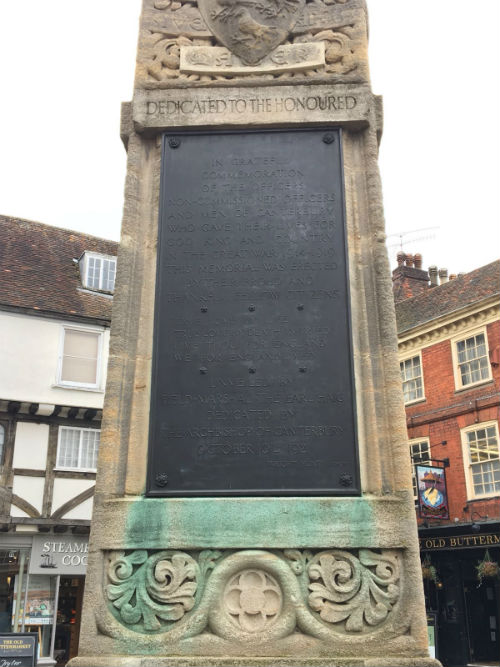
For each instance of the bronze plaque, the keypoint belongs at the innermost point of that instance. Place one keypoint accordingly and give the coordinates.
(252, 385)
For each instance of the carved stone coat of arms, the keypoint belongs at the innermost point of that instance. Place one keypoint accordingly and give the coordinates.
(251, 28)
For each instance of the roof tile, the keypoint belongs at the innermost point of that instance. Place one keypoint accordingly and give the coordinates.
(37, 270)
(449, 297)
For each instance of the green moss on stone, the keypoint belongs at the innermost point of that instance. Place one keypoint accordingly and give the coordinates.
(242, 523)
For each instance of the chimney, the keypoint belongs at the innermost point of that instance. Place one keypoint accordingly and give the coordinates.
(452, 276)
(433, 275)
(408, 278)
(443, 276)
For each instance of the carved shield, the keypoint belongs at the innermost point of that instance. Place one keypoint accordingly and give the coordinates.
(251, 28)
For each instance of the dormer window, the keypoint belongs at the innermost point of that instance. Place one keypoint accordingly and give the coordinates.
(98, 271)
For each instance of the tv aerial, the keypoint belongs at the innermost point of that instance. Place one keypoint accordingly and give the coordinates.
(403, 240)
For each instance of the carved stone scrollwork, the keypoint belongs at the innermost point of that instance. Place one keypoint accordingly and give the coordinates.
(254, 33)
(360, 591)
(149, 589)
(248, 595)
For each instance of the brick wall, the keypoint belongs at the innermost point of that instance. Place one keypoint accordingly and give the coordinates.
(445, 411)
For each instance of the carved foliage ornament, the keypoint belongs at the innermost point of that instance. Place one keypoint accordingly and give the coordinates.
(253, 594)
(169, 26)
(251, 28)
(356, 590)
(145, 589)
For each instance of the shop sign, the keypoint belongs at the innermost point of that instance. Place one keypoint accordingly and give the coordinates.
(459, 542)
(18, 649)
(432, 495)
(56, 555)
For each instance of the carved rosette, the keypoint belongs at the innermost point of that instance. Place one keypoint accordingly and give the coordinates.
(253, 595)
(252, 599)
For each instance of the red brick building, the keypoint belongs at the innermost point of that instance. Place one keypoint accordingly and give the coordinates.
(449, 345)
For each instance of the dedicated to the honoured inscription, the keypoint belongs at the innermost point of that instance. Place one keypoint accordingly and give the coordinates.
(252, 387)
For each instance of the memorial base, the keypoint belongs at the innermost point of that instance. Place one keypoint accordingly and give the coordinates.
(254, 348)
(164, 661)
(238, 582)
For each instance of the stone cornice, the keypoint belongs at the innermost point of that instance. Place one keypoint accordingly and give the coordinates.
(450, 325)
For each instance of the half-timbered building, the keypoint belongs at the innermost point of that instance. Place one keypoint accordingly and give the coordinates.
(56, 291)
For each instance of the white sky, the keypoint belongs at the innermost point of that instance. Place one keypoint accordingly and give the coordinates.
(66, 65)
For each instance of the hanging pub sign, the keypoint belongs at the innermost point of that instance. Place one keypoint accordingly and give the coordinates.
(432, 494)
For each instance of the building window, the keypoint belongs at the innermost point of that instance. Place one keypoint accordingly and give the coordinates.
(79, 363)
(420, 452)
(98, 271)
(411, 376)
(2, 443)
(77, 448)
(471, 360)
(482, 455)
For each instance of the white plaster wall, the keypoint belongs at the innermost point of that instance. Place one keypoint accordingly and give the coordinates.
(30, 489)
(29, 354)
(30, 446)
(66, 489)
(15, 511)
(82, 511)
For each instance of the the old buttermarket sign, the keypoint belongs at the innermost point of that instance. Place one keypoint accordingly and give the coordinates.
(459, 542)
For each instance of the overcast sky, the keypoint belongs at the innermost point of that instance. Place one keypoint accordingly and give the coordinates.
(67, 65)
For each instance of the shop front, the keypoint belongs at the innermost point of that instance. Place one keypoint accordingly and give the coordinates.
(462, 592)
(42, 579)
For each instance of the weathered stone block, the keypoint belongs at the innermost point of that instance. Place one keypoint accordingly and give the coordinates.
(261, 580)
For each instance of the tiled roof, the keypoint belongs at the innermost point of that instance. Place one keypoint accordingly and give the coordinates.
(37, 270)
(452, 296)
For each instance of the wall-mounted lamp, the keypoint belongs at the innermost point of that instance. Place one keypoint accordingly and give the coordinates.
(475, 525)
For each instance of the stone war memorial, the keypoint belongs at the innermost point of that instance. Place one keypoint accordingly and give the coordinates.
(254, 502)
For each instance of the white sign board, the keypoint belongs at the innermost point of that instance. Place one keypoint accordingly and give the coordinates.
(51, 554)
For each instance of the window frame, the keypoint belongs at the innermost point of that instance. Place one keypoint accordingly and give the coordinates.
(411, 443)
(402, 361)
(454, 352)
(468, 466)
(3, 444)
(59, 438)
(85, 269)
(72, 384)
